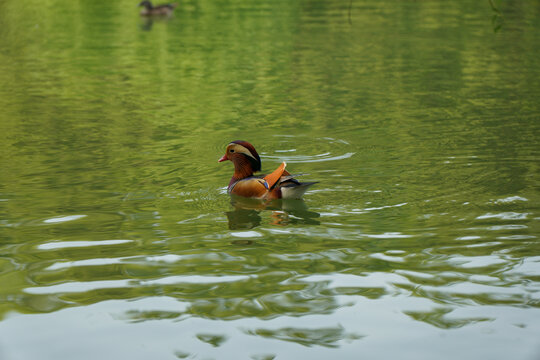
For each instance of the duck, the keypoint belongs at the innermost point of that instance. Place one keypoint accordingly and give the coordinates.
(279, 184)
(163, 9)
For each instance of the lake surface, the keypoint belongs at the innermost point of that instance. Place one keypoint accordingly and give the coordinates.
(419, 119)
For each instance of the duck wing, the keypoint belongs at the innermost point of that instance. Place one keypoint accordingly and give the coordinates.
(273, 178)
(252, 187)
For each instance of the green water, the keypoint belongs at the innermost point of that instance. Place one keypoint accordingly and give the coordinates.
(419, 119)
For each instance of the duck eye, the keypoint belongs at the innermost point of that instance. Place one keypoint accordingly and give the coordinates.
(232, 150)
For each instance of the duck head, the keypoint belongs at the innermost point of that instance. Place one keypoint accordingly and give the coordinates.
(244, 157)
(147, 4)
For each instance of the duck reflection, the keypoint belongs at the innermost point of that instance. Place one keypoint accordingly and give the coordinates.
(147, 22)
(247, 212)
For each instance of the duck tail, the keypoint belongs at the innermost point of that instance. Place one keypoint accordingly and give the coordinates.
(295, 190)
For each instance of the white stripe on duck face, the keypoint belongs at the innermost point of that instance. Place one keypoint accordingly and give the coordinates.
(240, 149)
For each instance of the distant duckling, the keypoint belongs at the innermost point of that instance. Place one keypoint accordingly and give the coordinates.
(149, 9)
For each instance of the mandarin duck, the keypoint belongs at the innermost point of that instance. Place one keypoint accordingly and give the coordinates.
(149, 9)
(279, 184)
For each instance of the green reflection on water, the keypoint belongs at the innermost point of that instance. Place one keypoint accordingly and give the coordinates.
(419, 122)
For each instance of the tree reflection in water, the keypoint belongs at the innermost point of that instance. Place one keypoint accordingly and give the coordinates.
(328, 337)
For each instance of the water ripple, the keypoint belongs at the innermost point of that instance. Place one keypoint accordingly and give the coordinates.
(309, 158)
(88, 262)
(61, 219)
(74, 244)
(332, 150)
(504, 216)
(85, 286)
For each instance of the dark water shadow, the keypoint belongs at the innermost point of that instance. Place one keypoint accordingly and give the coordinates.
(497, 19)
(247, 213)
(147, 22)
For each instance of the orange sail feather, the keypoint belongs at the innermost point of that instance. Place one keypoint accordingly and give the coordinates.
(274, 177)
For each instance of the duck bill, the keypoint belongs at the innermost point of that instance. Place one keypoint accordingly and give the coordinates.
(223, 158)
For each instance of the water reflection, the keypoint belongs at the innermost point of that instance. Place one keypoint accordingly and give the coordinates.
(429, 219)
(212, 339)
(147, 22)
(327, 337)
(442, 318)
(247, 213)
